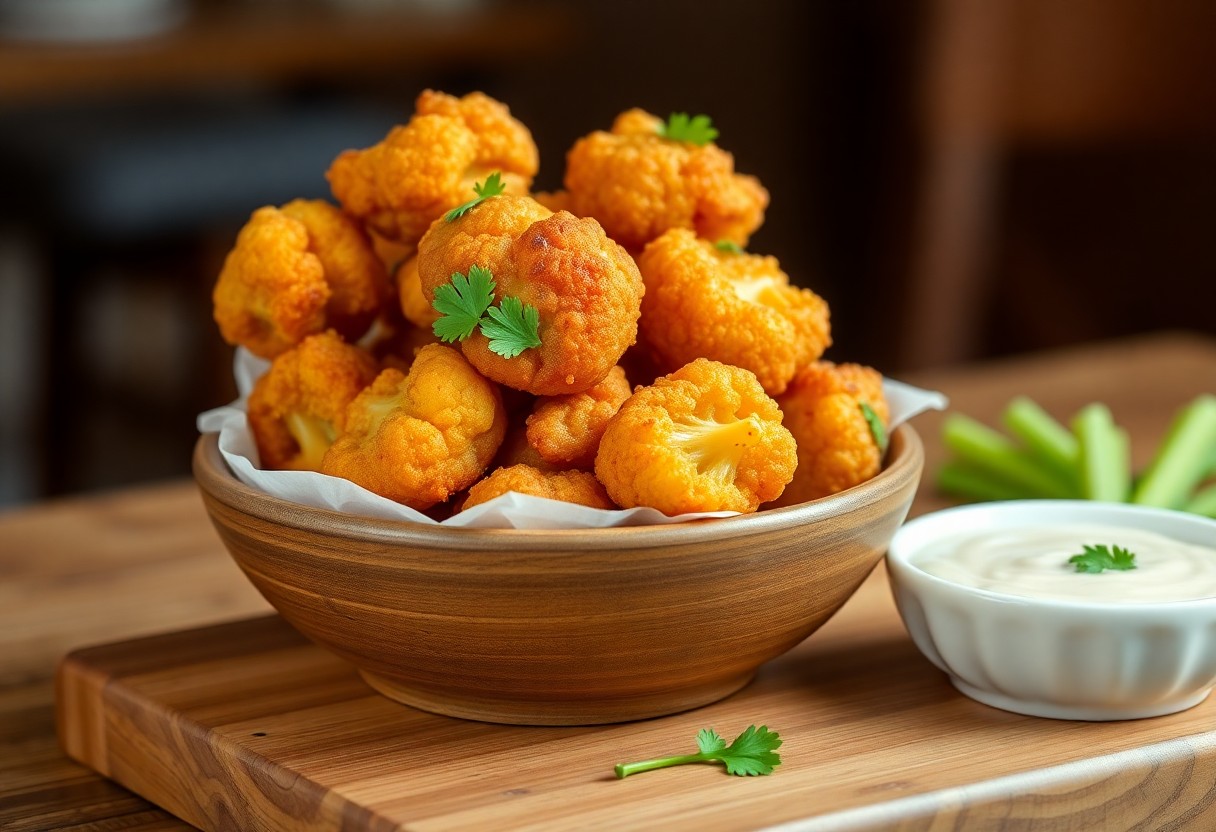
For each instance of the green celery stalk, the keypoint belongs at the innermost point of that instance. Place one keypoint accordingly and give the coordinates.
(1203, 502)
(993, 453)
(1183, 458)
(973, 483)
(1105, 464)
(1049, 441)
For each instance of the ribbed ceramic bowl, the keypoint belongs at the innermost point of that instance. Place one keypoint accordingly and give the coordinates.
(1054, 658)
(560, 627)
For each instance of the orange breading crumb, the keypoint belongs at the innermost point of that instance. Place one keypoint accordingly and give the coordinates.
(638, 185)
(298, 406)
(294, 272)
(704, 438)
(565, 431)
(740, 309)
(419, 438)
(428, 166)
(586, 288)
(836, 449)
(567, 486)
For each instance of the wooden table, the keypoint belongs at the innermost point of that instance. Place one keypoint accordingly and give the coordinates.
(140, 561)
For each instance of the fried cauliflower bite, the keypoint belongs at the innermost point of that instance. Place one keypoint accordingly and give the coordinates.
(567, 486)
(428, 166)
(586, 288)
(298, 406)
(639, 184)
(836, 449)
(414, 305)
(296, 271)
(419, 438)
(739, 309)
(704, 438)
(565, 431)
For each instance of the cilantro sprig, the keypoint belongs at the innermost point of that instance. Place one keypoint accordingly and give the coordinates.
(729, 247)
(1096, 558)
(753, 752)
(466, 303)
(493, 186)
(680, 127)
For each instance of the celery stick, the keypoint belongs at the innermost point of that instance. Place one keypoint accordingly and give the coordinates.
(986, 449)
(1183, 458)
(1047, 439)
(1204, 502)
(1105, 455)
(974, 483)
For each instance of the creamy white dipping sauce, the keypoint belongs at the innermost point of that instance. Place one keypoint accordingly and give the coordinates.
(1033, 562)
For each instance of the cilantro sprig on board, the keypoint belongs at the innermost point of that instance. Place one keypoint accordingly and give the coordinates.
(753, 752)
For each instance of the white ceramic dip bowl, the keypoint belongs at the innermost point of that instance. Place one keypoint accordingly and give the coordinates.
(1067, 659)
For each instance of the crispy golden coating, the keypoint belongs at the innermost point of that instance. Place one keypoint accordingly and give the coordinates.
(739, 309)
(586, 288)
(836, 449)
(296, 271)
(414, 305)
(638, 185)
(565, 431)
(567, 486)
(298, 406)
(428, 166)
(515, 450)
(419, 438)
(705, 438)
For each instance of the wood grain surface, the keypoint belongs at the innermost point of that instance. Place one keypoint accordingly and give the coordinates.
(146, 560)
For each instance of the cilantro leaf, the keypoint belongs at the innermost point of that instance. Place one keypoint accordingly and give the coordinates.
(877, 429)
(493, 186)
(679, 127)
(512, 327)
(729, 246)
(461, 303)
(753, 752)
(1096, 558)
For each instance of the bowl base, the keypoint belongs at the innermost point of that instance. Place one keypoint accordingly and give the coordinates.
(486, 708)
(1094, 713)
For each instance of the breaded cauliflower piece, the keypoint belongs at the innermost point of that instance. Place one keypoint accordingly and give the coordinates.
(567, 486)
(414, 305)
(704, 438)
(296, 271)
(565, 431)
(298, 406)
(638, 185)
(702, 302)
(428, 166)
(419, 438)
(586, 288)
(836, 449)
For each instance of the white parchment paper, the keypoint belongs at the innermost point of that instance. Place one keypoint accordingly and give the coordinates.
(509, 511)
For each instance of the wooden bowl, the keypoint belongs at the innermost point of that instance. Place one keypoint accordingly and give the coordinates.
(560, 627)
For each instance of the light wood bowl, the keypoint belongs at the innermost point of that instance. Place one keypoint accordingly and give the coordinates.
(560, 627)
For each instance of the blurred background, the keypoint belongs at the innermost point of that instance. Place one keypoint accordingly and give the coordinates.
(960, 179)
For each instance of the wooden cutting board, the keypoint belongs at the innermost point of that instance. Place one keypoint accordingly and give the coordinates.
(249, 726)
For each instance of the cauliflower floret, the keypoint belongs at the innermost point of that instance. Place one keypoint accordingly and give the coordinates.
(638, 185)
(422, 437)
(567, 486)
(428, 166)
(586, 288)
(298, 406)
(705, 438)
(414, 305)
(294, 272)
(702, 302)
(565, 431)
(836, 448)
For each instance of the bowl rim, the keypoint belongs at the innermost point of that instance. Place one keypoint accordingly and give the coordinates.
(905, 461)
(902, 563)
